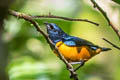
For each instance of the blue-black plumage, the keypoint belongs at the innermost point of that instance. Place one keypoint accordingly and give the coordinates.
(56, 34)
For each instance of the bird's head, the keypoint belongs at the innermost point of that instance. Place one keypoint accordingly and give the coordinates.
(53, 29)
(55, 33)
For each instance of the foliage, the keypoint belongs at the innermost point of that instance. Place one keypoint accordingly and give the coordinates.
(30, 57)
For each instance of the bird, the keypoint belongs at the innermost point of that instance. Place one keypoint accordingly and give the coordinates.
(74, 49)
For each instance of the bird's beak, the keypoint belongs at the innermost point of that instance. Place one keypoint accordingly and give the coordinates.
(47, 25)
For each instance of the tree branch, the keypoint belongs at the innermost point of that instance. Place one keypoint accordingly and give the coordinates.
(95, 5)
(36, 25)
(115, 46)
(65, 18)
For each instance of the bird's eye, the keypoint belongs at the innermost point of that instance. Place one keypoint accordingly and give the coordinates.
(51, 27)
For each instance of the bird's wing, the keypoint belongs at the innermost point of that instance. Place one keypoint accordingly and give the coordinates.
(75, 41)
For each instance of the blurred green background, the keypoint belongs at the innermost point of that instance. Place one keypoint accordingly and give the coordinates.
(30, 57)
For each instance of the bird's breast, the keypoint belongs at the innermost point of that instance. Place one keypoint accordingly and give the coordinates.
(73, 53)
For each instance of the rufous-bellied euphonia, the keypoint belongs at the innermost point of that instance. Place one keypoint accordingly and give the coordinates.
(74, 49)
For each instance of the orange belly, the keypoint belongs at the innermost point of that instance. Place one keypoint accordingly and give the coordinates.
(75, 54)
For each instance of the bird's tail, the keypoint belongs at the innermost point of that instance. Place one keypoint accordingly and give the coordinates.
(106, 49)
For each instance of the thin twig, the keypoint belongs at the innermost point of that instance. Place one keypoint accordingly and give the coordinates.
(68, 65)
(95, 5)
(111, 43)
(36, 25)
(65, 18)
